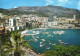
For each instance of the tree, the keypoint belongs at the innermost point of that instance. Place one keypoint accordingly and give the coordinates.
(18, 43)
(61, 50)
(5, 43)
(7, 47)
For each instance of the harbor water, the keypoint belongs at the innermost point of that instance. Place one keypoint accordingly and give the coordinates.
(47, 38)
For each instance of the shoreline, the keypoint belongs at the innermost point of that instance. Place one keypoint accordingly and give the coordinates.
(54, 28)
(25, 31)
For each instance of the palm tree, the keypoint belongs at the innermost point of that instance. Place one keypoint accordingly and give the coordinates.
(7, 49)
(18, 43)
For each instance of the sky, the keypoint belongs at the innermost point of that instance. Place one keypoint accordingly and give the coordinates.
(8, 4)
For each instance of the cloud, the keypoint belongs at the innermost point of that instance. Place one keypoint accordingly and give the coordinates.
(15, 7)
(79, 5)
(62, 2)
(49, 2)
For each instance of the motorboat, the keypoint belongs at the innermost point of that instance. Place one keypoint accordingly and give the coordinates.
(47, 47)
(59, 40)
(41, 44)
(43, 39)
(50, 43)
(65, 43)
(35, 40)
(37, 37)
(58, 32)
(36, 32)
(54, 44)
(49, 35)
(52, 36)
(46, 33)
(62, 42)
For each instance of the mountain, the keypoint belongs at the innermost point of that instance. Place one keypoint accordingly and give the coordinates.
(44, 11)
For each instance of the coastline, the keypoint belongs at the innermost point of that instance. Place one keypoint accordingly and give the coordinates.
(25, 31)
(53, 28)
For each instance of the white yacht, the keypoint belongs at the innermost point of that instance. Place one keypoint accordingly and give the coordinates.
(62, 42)
(37, 37)
(58, 32)
(49, 35)
(50, 43)
(47, 47)
(54, 44)
(65, 43)
(43, 39)
(59, 40)
(41, 44)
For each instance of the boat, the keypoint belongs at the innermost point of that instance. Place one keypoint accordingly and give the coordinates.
(37, 37)
(62, 42)
(58, 32)
(43, 39)
(43, 33)
(50, 43)
(49, 35)
(52, 36)
(36, 32)
(47, 47)
(59, 40)
(40, 42)
(41, 45)
(54, 44)
(65, 43)
(35, 40)
(46, 33)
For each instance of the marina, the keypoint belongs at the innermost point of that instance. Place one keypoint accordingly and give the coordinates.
(46, 39)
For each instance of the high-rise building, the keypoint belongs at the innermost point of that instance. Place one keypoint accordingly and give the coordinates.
(50, 18)
(74, 16)
(12, 22)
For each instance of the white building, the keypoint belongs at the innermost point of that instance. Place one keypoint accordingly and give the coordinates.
(74, 16)
(12, 22)
(52, 24)
(1, 15)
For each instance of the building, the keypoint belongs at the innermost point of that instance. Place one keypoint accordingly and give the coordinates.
(52, 24)
(12, 22)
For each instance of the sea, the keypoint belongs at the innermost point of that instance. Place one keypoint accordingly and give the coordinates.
(47, 38)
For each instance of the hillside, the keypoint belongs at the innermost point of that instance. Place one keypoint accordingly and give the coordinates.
(44, 11)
